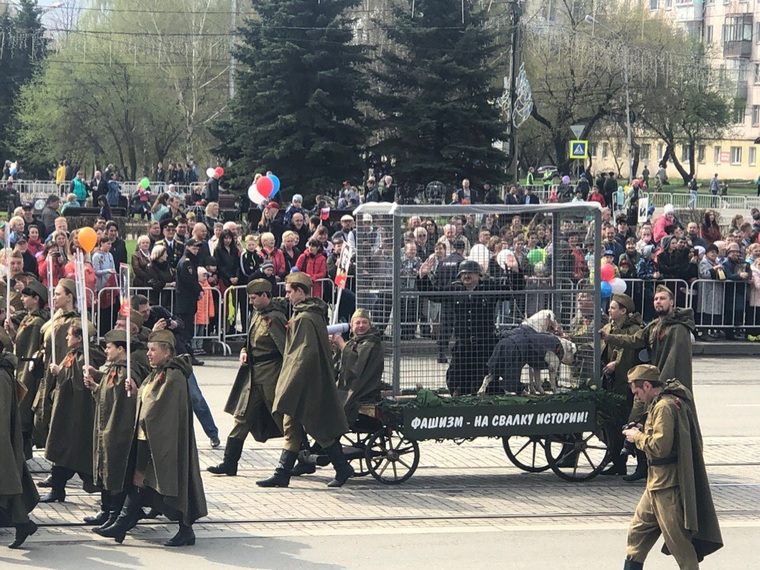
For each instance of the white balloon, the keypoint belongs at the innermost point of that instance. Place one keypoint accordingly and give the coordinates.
(507, 260)
(480, 253)
(254, 195)
(618, 286)
(210, 172)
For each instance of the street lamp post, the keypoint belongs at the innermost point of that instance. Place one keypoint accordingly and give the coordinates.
(591, 20)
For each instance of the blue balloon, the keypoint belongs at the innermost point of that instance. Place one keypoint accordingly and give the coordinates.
(276, 182)
(606, 289)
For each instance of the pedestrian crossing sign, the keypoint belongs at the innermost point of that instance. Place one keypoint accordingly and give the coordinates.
(578, 149)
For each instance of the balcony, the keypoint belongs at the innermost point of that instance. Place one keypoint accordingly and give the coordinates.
(692, 12)
(737, 48)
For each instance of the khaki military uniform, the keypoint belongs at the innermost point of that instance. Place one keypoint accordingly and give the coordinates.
(252, 394)
(660, 510)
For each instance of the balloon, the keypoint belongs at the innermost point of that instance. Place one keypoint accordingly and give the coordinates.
(607, 272)
(144, 183)
(618, 286)
(480, 253)
(536, 255)
(210, 172)
(606, 289)
(87, 239)
(254, 195)
(276, 182)
(219, 171)
(265, 186)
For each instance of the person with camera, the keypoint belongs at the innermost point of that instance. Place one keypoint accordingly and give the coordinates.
(677, 502)
(623, 320)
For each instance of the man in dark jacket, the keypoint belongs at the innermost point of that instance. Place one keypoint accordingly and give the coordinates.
(188, 289)
(49, 214)
(118, 245)
(212, 189)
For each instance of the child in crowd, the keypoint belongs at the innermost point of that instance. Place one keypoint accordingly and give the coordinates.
(105, 209)
(296, 206)
(71, 202)
(249, 261)
(205, 313)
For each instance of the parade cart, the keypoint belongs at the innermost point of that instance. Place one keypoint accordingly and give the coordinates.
(565, 431)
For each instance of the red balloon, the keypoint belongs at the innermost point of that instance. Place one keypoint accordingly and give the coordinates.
(608, 272)
(265, 186)
(219, 171)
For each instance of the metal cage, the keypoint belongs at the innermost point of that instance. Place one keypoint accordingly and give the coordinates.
(425, 324)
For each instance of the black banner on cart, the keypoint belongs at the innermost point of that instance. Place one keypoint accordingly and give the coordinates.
(500, 420)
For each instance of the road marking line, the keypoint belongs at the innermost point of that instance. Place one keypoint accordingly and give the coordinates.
(743, 405)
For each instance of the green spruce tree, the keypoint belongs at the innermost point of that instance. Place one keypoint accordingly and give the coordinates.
(23, 49)
(435, 95)
(295, 106)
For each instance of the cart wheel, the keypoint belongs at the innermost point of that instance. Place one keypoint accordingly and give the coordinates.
(526, 452)
(358, 459)
(578, 456)
(391, 457)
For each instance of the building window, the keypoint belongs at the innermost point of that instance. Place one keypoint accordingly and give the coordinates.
(701, 154)
(756, 73)
(660, 151)
(646, 150)
(739, 111)
(736, 155)
(618, 148)
(668, 4)
(592, 149)
(684, 153)
(708, 34)
(752, 155)
(605, 150)
(716, 154)
(755, 115)
(654, 4)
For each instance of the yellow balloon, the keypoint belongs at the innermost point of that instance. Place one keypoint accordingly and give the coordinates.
(87, 239)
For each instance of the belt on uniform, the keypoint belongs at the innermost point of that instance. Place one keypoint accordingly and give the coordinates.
(664, 460)
(267, 357)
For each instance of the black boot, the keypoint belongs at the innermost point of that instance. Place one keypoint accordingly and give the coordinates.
(281, 477)
(633, 565)
(232, 452)
(343, 471)
(128, 518)
(23, 531)
(116, 503)
(105, 510)
(306, 464)
(617, 467)
(57, 492)
(185, 537)
(641, 468)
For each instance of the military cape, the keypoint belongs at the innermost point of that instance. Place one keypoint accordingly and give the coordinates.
(360, 372)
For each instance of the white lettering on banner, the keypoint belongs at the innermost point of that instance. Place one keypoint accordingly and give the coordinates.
(561, 418)
(438, 422)
(480, 421)
(513, 420)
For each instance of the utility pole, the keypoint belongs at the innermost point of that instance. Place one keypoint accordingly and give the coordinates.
(514, 65)
(233, 24)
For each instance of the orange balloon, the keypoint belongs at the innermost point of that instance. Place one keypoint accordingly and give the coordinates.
(87, 239)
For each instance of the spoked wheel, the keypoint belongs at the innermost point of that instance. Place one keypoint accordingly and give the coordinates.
(578, 456)
(526, 452)
(354, 448)
(391, 457)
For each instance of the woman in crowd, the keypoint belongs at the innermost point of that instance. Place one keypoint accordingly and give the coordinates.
(159, 276)
(712, 290)
(290, 252)
(212, 216)
(710, 230)
(736, 223)
(268, 251)
(159, 208)
(165, 473)
(314, 264)
(227, 258)
(140, 262)
(51, 255)
(432, 230)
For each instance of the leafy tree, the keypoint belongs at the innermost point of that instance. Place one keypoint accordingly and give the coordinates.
(434, 97)
(24, 47)
(295, 107)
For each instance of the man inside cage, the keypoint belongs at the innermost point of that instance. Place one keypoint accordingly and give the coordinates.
(473, 314)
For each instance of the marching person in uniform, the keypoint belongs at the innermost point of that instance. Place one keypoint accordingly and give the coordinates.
(677, 502)
(28, 344)
(306, 396)
(18, 495)
(113, 428)
(252, 395)
(64, 316)
(623, 320)
(69, 442)
(164, 467)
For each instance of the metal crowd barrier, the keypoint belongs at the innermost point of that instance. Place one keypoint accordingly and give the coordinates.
(720, 305)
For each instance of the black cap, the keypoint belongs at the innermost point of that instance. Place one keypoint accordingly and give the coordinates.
(21, 236)
(27, 206)
(170, 223)
(192, 242)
